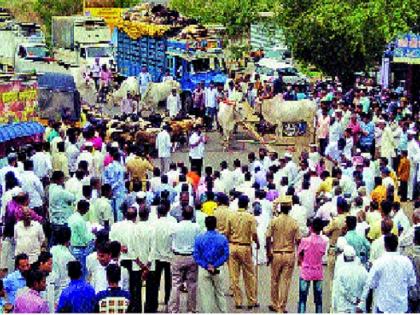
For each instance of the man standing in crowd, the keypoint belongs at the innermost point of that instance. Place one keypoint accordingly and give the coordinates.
(282, 237)
(211, 251)
(164, 145)
(241, 232)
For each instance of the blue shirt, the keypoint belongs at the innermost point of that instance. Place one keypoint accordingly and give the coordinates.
(12, 283)
(169, 188)
(370, 129)
(211, 248)
(78, 297)
(114, 176)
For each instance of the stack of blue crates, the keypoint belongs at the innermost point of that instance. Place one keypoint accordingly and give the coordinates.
(145, 51)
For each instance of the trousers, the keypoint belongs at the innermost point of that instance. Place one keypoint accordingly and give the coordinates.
(164, 164)
(241, 260)
(7, 254)
(183, 267)
(153, 286)
(134, 285)
(303, 295)
(281, 276)
(211, 293)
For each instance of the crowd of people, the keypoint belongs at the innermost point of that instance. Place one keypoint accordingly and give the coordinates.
(88, 221)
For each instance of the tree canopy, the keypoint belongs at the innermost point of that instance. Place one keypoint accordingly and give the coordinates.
(339, 37)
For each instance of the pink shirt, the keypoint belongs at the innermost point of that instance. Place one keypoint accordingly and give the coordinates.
(323, 127)
(312, 248)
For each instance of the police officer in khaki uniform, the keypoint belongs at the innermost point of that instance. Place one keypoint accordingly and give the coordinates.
(281, 238)
(335, 229)
(222, 212)
(242, 231)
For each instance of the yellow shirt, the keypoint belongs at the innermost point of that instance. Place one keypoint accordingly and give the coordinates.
(326, 186)
(335, 228)
(138, 167)
(375, 231)
(241, 227)
(378, 194)
(284, 232)
(222, 214)
(208, 207)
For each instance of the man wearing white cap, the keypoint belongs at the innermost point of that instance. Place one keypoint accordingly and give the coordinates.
(413, 149)
(348, 283)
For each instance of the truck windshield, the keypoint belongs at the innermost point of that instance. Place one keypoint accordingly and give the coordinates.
(101, 52)
(36, 52)
(200, 65)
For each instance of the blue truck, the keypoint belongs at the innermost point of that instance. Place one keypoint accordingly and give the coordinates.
(190, 62)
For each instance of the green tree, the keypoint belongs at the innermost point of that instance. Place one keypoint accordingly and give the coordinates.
(341, 37)
(235, 15)
(49, 8)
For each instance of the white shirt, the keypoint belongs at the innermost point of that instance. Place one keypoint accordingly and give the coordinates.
(163, 229)
(31, 184)
(143, 236)
(163, 144)
(88, 157)
(401, 220)
(173, 105)
(99, 282)
(377, 248)
(61, 257)
(291, 171)
(390, 276)
(300, 214)
(238, 176)
(348, 287)
(184, 237)
(196, 152)
(307, 199)
(6, 170)
(124, 232)
(327, 211)
(74, 186)
(167, 78)
(102, 211)
(29, 240)
(210, 98)
(227, 178)
(173, 177)
(72, 153)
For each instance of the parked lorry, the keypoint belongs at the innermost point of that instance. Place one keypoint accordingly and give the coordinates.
(23, 49)
(190, 52)
(79, 40)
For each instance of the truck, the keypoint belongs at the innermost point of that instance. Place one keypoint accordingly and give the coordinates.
(191, 53)
(24, 49)
(79, 40)
(266, 35)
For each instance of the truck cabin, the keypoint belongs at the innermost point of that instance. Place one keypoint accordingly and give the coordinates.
(181, 66)
(33, 52)
(96, 51)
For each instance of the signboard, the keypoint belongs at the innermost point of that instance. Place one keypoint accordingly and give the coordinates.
(407, 49)
(110, 15)
(18, 102)
(294, 129)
